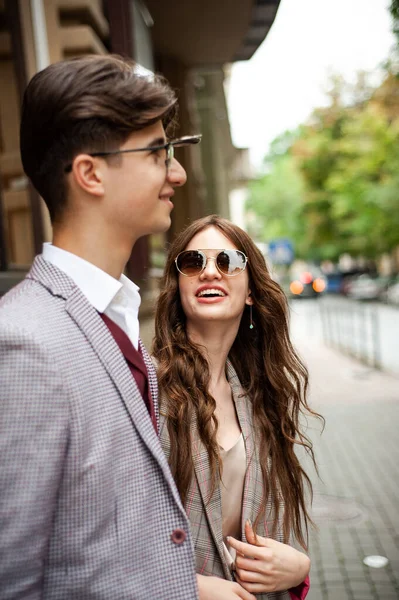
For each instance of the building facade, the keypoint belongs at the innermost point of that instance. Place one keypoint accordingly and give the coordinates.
(188, 42)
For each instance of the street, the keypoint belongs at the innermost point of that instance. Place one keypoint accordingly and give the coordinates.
(368, 331)
(356, 502)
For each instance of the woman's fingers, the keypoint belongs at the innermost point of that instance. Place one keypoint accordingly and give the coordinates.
(249, 564)
(249, 576)
(244, 549)
(269, 566)
(255, 588)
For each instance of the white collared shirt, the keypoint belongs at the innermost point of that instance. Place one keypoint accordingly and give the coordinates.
(117, 299)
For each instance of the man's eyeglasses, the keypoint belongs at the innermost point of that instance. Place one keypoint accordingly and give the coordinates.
(169, 147)
(228, 262)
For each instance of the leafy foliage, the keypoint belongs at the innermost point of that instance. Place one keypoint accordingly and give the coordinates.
(394, 9)
(333, 184)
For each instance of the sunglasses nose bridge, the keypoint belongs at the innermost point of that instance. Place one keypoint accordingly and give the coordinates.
(210, 268)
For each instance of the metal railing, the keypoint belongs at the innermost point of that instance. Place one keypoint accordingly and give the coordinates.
(353, 328)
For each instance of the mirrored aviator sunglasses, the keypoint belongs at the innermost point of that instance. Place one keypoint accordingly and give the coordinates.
(228, 262)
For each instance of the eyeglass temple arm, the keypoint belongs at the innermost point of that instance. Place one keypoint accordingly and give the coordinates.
(187, 139)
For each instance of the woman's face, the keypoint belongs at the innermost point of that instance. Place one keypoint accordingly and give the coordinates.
(211, 295)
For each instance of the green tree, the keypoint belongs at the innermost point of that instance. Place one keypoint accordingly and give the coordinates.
(276, 200)
(394, 9)
(348, 157)
(333, 184)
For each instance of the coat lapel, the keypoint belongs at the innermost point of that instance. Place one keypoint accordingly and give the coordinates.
(244, 414)
(152, 380)
(102, 342)
(212, 503)
(201, 486)
(254, 484)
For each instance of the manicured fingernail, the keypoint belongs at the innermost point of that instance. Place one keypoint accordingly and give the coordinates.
(249, 523)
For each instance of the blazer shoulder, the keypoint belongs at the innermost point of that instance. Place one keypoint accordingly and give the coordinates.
(30, 307)
(18, 295)
(28, 297)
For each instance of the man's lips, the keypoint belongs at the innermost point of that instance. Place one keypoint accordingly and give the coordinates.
(167, 196)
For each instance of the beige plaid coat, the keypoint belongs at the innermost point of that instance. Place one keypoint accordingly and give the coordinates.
(206, 515)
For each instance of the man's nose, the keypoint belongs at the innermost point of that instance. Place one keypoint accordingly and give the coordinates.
(177, 175)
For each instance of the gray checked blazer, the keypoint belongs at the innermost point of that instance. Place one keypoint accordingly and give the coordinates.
(206, 514)
(88, 507)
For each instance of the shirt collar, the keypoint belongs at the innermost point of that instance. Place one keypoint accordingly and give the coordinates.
(98, 287)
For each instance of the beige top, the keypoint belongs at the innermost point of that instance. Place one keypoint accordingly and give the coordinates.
(232, 489)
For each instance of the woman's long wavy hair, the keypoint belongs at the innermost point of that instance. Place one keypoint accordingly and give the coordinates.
(269, 369)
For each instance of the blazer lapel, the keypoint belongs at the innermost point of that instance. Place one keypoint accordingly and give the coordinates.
(152, 380)
(254, 484)
(212, 504)
(244, 414)
(102, 342)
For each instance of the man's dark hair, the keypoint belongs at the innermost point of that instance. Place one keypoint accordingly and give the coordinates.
(88, 104)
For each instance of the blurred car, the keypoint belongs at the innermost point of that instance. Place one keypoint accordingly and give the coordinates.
(366, 287)
(346, 283)
(307, 285)
(348, 277)
(392, 293)
(333, 283)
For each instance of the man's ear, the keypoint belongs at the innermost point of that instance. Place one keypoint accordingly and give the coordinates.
(248, 299)
(88, 174)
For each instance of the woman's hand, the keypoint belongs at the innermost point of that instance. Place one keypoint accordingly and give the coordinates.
(264, 565)
(214, 588)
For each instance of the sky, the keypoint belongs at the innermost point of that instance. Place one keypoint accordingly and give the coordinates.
(287, 77)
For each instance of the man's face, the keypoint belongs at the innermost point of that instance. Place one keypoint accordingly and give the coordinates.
(138, 186)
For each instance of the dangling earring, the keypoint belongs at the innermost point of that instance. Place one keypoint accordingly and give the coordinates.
(251, 324)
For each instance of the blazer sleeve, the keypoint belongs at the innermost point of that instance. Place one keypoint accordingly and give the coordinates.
(33, 444)
(300, 591)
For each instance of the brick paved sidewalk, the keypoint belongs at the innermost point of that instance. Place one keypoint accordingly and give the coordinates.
(356, 504)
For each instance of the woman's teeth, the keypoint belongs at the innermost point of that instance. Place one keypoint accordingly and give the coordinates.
(210, 292)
